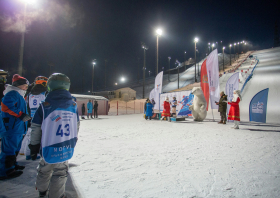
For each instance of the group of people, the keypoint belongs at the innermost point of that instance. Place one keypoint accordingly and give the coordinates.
(149, 105)
(45, 115)
(234, 113)
(90, 107)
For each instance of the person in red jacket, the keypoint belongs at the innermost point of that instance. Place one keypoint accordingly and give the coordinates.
(234, 113)
(166, 109)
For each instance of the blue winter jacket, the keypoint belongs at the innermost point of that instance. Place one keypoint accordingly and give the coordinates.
(149, 109)
(89, 107)
(13, 106)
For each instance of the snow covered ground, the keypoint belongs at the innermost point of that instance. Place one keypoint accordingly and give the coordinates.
(127, 156)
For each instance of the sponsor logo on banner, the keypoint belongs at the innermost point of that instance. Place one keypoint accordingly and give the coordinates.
(158, 86)
(56, 118)
(257, 107)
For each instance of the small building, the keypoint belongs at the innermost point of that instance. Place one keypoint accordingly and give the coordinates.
(102, 103)
(125, 94)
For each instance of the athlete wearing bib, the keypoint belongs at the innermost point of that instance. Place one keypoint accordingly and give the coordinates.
(33, 100)
(54, 131)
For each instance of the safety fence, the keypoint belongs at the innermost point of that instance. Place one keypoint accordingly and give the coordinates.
(123, 108)
(249, 77)
(234, 68)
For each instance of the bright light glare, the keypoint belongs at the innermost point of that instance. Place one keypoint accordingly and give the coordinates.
(213, 45)
(196, 40)
(159, 32)
(224, 47)
(230, 45)
(116, 83)
(94, 63)
(234, 43)
(29, 1)
(122, 79)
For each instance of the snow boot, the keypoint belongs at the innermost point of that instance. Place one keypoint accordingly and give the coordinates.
(19, 167)
(221, 122)
(43, 194)
(236, 127)
(169, 119)
(11, 174)
(224, 122)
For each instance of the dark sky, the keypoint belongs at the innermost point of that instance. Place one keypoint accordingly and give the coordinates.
(70, 34)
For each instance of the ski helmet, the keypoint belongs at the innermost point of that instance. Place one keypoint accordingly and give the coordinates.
(41, 80)
(58, 81)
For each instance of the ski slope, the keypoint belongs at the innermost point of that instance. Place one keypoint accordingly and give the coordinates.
(266, 75)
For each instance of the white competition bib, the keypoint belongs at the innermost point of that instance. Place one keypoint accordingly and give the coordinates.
(59, 134)
(34, 102)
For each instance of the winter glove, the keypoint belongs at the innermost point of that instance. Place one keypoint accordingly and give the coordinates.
(34, 150)
(25, 117)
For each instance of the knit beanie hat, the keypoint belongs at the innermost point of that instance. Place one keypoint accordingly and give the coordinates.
(19, 80)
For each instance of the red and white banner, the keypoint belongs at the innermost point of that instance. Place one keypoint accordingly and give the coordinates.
(204, 82)
(212, 66)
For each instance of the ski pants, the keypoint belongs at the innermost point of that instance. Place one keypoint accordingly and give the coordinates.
(95, 113)
(10, 147)
(223, 116)
(52, 177)
(89, 114)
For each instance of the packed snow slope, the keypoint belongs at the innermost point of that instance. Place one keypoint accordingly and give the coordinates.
(266, 75)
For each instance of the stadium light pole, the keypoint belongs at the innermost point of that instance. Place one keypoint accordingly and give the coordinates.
(169, 68)
(234, 50)
(195, 41)
(93, 63)
(213, 45)
(144, 47)
(230, 53)
(21, 48)
(238, 50)
(224, 59)
(185, 53)
(105, 72)
(209, 48)
(158, 34)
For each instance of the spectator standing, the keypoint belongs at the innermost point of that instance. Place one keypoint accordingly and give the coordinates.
(95, 108)
(222, 108)
(89, 108)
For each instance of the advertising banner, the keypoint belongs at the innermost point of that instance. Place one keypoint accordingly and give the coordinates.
(158, 89)
(212, 66)
(204, 82)
(184, 100)
(232, 84)
(258, 106)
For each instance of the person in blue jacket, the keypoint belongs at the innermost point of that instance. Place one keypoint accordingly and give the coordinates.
(89, 108)
(15, 117)
(54, 130)
(149, 110)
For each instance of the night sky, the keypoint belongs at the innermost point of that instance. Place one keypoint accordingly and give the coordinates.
(68, 35)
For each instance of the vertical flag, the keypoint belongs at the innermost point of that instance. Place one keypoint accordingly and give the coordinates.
(204, 82)
(232, 84)
(212, 66)
(152, 94)
(158, 89)
(258, 106)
